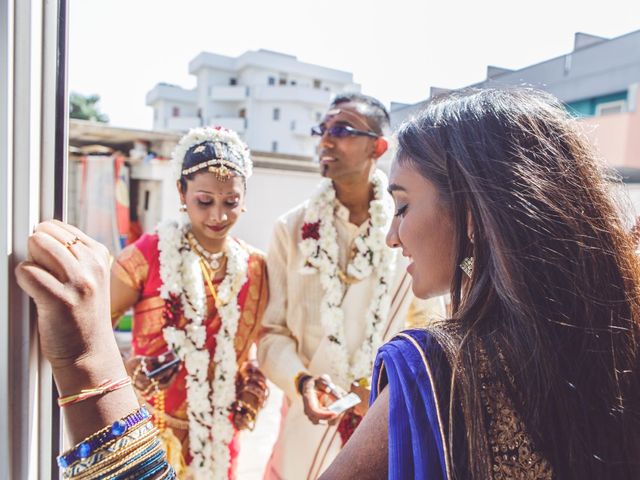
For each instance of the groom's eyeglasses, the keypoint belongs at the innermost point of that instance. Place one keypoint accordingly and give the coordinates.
(341, 131)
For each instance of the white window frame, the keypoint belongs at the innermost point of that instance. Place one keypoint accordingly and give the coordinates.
(607, 105)
(33, 144)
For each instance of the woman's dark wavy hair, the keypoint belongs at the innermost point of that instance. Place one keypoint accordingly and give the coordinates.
(555, 285)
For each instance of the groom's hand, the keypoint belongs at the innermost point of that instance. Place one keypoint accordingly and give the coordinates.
(316, 393)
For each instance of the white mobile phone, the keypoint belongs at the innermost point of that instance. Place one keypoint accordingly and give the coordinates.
(344, 403)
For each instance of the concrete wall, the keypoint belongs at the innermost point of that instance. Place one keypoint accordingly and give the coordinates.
(616, 136)
(270, 194)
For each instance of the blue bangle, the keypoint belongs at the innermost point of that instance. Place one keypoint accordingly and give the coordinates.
(152, 468)
(102, 437)
(140, 470)
(135, 470)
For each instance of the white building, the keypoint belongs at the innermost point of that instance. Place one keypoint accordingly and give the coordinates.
(271, 99)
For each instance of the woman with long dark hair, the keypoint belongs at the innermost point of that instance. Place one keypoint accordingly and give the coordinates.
(501, 201)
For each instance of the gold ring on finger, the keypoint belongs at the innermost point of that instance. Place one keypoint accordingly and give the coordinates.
(70, 243)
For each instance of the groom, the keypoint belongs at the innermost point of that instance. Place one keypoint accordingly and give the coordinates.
(336, 291)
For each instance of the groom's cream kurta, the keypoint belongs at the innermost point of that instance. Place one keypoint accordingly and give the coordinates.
(293, 338)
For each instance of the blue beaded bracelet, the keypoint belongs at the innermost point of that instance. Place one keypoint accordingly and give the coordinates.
(101, 438)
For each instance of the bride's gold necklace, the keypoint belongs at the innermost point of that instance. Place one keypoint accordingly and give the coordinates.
(210, 264)
(213, 260)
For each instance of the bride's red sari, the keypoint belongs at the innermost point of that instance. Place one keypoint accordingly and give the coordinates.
(139, 267)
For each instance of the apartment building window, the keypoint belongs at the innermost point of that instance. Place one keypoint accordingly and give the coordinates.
(242, 113)
(175, 112)
(274, 146)
(318, 116)
(608, 108)
(293, 125)
(276, 114)
(271, 80)
(282, 81)
(233, 81)
(317, 83)
(294, 83)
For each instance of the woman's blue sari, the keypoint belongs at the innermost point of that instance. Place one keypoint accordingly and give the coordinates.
(414, 367)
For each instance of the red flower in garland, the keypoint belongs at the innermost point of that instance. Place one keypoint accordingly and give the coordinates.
(311, 230)
(172, 311)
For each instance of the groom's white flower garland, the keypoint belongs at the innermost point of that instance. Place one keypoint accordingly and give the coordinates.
(210, 427)
(320, 247)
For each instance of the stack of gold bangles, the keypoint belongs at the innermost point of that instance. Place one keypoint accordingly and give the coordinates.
(252, 390)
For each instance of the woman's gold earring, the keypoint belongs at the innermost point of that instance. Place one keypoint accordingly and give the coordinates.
(467, 266)
(244, 209)
(183, 207)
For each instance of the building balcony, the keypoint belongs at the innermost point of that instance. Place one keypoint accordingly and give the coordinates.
(227, 93)
(182, 124)
(237, 124)
(291, 93)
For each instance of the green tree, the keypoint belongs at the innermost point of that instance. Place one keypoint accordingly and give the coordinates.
(85, 107)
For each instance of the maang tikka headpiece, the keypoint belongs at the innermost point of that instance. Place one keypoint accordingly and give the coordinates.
(218, 150)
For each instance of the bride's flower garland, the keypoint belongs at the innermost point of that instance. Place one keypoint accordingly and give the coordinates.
(210, 427)
(320, 247)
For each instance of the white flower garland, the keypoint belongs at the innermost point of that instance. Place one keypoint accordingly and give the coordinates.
(210, 429)
(372, 256)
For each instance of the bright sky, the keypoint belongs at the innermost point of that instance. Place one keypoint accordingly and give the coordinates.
(396, 50)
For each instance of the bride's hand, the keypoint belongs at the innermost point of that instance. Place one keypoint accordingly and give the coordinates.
(67, 276)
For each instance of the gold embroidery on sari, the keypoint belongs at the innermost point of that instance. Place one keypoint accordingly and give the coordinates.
(253, 307)
(148, 321)
(514, 455)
